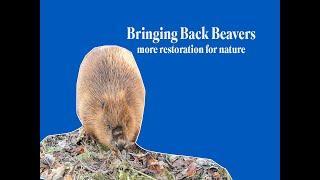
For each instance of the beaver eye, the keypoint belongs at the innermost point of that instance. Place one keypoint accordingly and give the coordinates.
(103, 105)
(109, 126)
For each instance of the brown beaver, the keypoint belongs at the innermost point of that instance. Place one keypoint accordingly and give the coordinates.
(110, 96)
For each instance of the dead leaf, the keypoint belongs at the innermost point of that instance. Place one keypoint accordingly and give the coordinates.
(172, 158)
(45, 174)
(62, 144)
(192, 169)
(139, 155)
(49, 159)
(68, 177)
(179, 163)
(151, 160)
(216, 176)
(79, 150)
(202, 162)
(58, 173)
(188, 161)
(154, 165)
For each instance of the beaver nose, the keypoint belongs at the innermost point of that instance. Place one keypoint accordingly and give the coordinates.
(117, 132)
(120, 146)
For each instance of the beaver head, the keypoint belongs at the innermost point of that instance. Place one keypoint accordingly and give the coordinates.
(111, 121)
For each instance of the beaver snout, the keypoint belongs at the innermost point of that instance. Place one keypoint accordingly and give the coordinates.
(121, 145)
(118, 137)
(117, 132)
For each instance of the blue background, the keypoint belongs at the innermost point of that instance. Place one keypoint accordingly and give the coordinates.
(221, 107)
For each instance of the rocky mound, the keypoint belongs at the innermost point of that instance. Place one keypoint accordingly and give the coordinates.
(74, 156)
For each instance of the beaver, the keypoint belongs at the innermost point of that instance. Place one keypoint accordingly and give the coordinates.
(110, 96)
